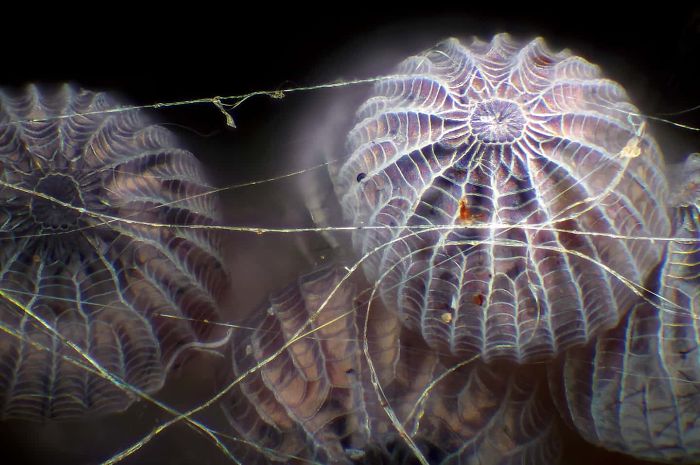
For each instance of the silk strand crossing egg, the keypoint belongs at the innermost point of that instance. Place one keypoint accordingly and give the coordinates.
(636, 389)
(505, 196)
(92, 287)
(522, 260)
(315, 397)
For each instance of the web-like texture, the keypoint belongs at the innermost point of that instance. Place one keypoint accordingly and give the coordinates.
(296, 404)
(636, 390)
(331, 398)
(498, 187)
(90, 283)
(507, 204)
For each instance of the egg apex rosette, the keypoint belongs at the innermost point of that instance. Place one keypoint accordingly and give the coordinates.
(505, 196)
(107, 268)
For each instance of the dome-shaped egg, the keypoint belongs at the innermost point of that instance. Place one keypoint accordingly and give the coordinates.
(636, 389)
(502, 194)
(100, 275)
(305, 390)
(302, 348)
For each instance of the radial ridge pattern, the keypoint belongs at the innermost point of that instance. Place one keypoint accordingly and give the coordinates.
(506, 188)
(320, 400)
(636, 389)
(299, 402)
(90, 282)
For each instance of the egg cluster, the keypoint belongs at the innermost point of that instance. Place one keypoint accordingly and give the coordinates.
(521, 266)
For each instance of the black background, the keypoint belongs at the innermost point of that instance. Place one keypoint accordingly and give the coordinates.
(179, 54)
(171, 55)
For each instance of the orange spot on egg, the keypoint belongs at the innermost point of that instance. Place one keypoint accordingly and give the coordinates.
(467, 215)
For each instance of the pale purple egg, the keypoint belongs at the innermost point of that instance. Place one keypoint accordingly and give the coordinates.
(636, 389)
(104, 285)
(505, 197)
(322, 376)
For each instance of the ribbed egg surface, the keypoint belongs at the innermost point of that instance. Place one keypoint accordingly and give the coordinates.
(103, 283)
(297, 359)
(636, 389)
(324, 377)
(503, 194)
